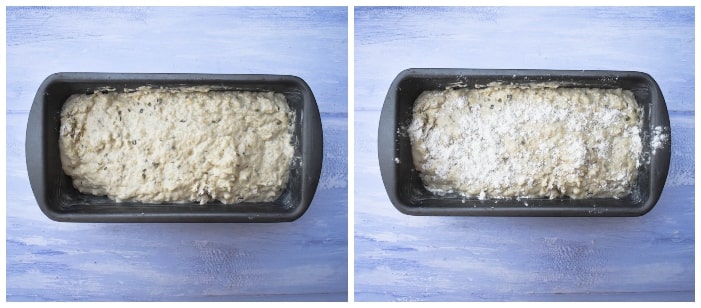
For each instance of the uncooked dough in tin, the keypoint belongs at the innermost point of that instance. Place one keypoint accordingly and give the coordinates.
(527, 142)
(178, 145)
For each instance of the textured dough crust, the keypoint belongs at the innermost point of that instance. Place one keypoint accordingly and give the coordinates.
(511, 142)
(178, 145)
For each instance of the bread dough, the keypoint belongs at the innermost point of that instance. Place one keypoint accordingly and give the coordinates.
(178, 145)
(527, 142)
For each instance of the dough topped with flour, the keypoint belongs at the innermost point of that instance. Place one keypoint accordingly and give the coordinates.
(178, 145)
(527, 142)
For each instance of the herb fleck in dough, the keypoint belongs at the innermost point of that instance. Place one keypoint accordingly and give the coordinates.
(510, 142)
(178, 145)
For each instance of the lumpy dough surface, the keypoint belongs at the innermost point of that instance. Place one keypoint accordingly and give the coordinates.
(178, 145)
(511, 142)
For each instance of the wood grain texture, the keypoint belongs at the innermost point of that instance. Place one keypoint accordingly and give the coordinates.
(408, 258)
(658, 41)
(305, 260)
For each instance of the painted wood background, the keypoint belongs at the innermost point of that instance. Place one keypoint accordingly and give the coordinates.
(303, 260)
(406, 258)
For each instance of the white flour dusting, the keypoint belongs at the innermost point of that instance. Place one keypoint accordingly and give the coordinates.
(660, 138)
(510, 142)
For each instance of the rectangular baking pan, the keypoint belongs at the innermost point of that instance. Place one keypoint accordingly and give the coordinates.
(60, 201)
(409, 196)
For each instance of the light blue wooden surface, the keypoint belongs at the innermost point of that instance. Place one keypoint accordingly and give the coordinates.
(407, 258)
(303, 260)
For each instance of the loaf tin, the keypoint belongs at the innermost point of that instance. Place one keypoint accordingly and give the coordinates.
(60, 201)
(408, 194)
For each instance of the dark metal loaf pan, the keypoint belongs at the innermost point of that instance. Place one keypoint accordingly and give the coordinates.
(60, 201)
(408, 194)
